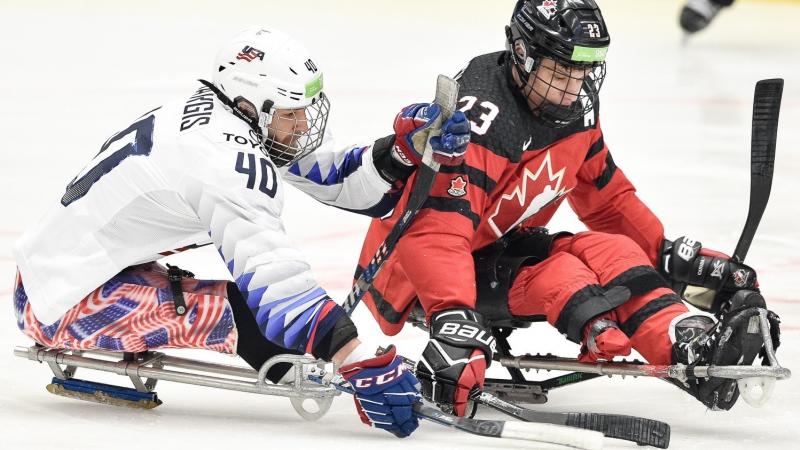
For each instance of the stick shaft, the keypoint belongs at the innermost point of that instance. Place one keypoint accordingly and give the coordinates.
(766, 111)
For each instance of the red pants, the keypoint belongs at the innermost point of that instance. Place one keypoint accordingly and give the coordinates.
(602, 260)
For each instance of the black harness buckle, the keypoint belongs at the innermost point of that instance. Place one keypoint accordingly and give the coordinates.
(175, 274)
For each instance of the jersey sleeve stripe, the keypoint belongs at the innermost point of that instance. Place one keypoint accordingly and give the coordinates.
(596, 148)
(477, 177)
(459, 206)
(336, 173)
(605, 177)
(287, 321)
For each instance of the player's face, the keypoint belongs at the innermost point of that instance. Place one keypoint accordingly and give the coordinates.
(288, 125)
(557, 84)
(292, 133)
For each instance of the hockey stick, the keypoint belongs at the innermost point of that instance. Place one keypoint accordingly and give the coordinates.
(766, 109)
(630, 428)
(446, 97)
(640, 430)
(535, 432)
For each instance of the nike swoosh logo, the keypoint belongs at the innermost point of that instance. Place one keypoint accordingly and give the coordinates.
(527, 143)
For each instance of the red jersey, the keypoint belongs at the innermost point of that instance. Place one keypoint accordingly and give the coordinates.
(517, 171)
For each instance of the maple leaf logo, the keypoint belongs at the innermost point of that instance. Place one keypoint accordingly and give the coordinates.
(457, 187)
(519, 195)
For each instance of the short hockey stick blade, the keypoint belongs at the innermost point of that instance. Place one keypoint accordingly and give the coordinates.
(447, 98)
(766, 109)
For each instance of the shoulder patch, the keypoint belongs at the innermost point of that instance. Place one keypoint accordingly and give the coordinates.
(458, 187)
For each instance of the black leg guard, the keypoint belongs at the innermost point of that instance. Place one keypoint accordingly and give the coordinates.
(253, 347)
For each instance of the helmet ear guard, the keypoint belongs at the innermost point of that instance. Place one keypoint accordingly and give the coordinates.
(520, 51)
(246, 107)
(264, 117)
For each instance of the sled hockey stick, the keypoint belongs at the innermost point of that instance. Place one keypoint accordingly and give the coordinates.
(640, 430)
(630, 428)
(525, 431)
(766, 109)
(446, 97)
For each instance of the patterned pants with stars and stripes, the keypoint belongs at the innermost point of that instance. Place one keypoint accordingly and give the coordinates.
(135, 312)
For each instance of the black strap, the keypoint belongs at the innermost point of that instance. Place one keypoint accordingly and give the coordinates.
(639, 280)
(585, 305)
(647, 311)
(175, 274)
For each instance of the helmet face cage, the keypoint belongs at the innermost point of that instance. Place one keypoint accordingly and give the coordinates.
(559, 92)
(288, 136)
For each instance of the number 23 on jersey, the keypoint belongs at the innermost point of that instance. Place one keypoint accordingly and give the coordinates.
(488, 112)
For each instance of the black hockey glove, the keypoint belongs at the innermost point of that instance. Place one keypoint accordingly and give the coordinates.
(454, 361)
(394, 172)
(684, 262)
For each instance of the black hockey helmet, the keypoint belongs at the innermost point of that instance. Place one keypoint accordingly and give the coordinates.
(573, 34)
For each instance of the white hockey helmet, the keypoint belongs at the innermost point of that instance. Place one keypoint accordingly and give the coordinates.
(263, 70)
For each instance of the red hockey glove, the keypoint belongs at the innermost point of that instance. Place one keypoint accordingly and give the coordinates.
(419, 123)
(385, 392)
(454, 361)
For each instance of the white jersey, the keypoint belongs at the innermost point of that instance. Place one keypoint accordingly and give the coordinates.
(188, 173)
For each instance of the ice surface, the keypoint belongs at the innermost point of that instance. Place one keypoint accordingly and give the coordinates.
(676, 117)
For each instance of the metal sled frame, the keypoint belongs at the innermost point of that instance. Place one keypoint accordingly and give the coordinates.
(145, 369)
(519, 389)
